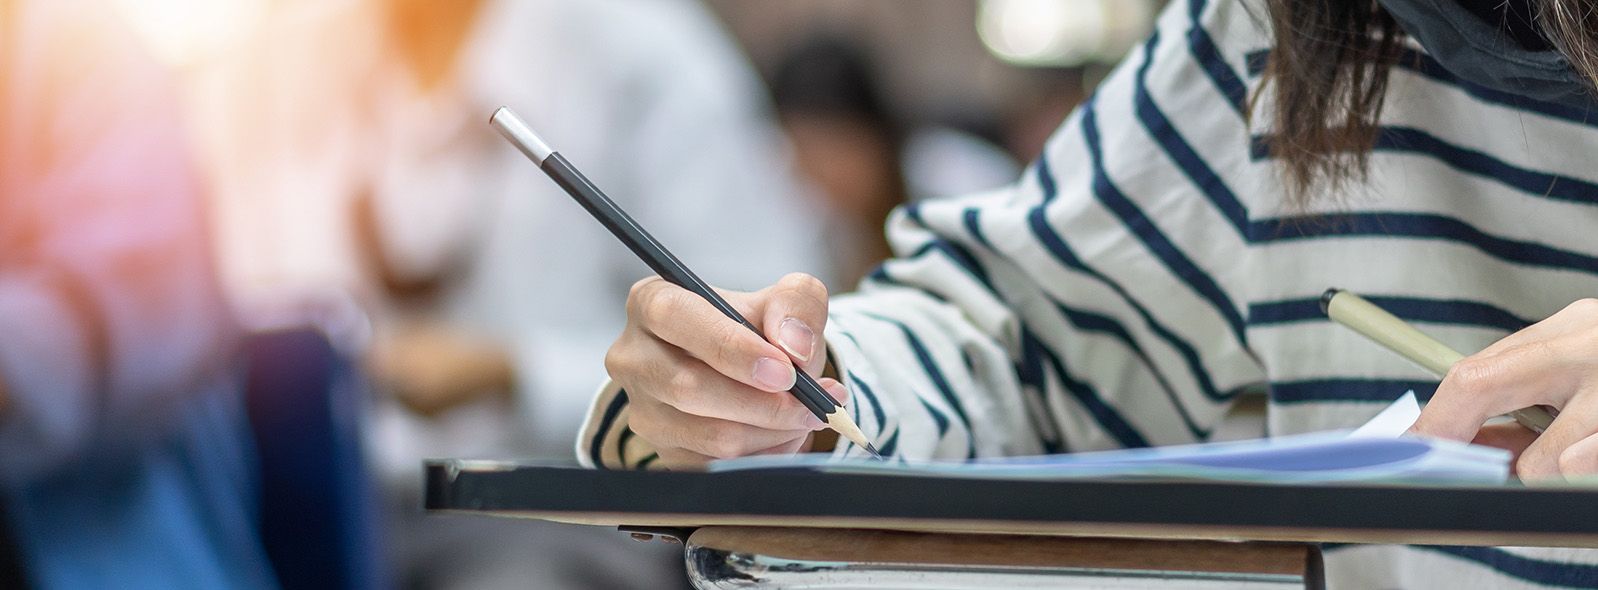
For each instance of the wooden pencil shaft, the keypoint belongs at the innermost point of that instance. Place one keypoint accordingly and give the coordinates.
(840, 422)
(1386, 329)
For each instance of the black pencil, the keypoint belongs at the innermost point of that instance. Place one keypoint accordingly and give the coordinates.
(661, 260)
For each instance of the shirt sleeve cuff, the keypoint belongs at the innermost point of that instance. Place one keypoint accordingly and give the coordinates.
(864, 406)
(606, 440)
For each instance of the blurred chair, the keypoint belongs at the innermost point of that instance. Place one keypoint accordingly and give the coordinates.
(319, 518)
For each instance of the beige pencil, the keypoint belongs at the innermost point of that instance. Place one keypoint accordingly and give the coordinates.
(1397, 335)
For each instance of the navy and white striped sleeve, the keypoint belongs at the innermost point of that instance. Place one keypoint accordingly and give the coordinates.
(1090, 305)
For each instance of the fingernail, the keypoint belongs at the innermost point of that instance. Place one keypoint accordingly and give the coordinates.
(774, 375)
(797, 338)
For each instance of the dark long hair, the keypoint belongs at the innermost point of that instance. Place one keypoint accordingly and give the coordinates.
(1328, 76)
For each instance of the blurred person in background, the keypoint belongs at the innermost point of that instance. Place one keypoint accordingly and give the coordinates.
(125, 457)
(864, 160)
(846, 142)
(350, 147)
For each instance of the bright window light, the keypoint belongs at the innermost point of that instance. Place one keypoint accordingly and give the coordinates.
(183, 32)
(1062, 32)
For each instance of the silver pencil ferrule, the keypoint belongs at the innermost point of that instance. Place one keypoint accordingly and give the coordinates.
(520, 135)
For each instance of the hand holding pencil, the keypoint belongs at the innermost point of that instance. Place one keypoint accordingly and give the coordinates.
(702, 388)
(1545, 376)
(703, 380)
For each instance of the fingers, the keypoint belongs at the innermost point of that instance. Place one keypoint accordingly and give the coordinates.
(667, 427)
(1550, 363)
(835, 389)
(787, 448)
(684, 459)
(681, 459)
(1573, 318)
(1489, 384)
(1510, 437)
(706, 387)
(694, 388)
(665, 373)
(1542, 459)
(1580, 460)
(691, 323)
(794, 315)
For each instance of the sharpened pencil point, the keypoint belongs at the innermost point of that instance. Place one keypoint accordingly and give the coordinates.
(839, 420)
(874, 453)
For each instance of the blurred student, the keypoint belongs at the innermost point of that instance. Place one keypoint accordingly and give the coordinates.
(846, 142)
(863, 158)
(124, 452)
(352, 149)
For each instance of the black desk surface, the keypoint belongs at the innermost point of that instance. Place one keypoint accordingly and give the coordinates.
(1507, 515)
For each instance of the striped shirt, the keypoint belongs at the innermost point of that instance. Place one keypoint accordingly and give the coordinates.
(1146, 269)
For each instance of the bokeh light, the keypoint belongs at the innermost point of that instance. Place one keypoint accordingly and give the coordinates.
(1062, 33)
(183, 32)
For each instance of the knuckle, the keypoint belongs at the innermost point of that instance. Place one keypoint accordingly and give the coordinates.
(1572, 462)
(682, 387)
(1538, 461)
(1556, 349)
(625, 362)
(641, 286)
(637, 295)
(1585, 307)
(656, 304)
(724, 442)
(1473, 375)
(616, 360)
(730, 344)
(645, 423)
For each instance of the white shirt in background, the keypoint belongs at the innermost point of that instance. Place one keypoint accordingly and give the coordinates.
(649, 98)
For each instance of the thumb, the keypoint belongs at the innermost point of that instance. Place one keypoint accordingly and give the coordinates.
(794, 318)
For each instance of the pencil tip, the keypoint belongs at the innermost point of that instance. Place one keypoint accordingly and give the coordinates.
(839, 420)
(874, 453)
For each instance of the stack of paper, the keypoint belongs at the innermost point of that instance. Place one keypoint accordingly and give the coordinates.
(1375, 452)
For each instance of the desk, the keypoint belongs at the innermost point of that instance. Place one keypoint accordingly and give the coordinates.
(1172, 511)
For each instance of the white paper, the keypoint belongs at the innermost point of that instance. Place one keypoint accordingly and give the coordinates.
(1377, 451)
(1394, 421)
